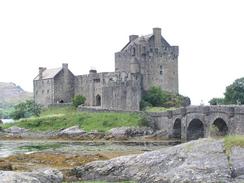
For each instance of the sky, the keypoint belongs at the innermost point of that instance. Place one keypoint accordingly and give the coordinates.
(86, 34)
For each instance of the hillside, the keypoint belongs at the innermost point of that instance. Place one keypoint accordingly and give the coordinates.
(11, 94)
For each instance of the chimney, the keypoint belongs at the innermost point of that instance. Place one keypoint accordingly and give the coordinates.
(157, 37)
(65, 66)
(41, 69)
(133, 37)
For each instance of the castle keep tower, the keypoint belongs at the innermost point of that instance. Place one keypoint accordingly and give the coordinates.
(153, 57)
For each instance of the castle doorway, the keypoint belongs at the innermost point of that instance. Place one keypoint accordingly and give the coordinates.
(219, 128)
(98, 100)
(177, 129)
(195, 130)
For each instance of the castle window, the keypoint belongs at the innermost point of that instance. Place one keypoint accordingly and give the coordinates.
(161, 67)
(97, 80)
(161, 72)
(47, 91)
(133, 51)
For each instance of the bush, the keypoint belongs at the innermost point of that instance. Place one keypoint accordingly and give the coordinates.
(26, 109)
(78, 100)
(156, 97)
(217, 101)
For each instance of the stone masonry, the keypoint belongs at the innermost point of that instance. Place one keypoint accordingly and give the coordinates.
(144, 62)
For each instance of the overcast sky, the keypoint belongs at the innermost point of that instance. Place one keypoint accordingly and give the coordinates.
(86, 33)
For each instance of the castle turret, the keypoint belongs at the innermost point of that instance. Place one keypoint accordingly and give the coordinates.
(157, 37)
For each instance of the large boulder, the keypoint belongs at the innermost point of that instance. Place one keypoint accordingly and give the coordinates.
(71, 131)
(39, 176)
(16, 130)
(197, 161)
(125, 132)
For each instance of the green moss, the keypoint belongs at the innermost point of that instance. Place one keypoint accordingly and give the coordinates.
(57, 118)
(231, 141)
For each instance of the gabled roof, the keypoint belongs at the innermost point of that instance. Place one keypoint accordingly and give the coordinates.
(137, 41)
(49, 73)
(142, 39)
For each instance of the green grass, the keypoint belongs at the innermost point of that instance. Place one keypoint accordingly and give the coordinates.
(57, 118)
(158, 109)
(231, 141)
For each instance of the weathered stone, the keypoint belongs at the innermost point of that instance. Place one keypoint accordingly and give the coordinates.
(71, 131)
(16, 130)
(129, 131)
(237, 161)
(197, 161)
(39, 176)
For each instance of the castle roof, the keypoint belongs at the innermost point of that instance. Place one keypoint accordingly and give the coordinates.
(144, 39)
(49, 73)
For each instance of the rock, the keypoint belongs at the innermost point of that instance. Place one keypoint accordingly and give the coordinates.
(71, 131)
(16, 130)
(160, 133)
(121, 132)
(39, 176)
(237, 162)
(196, 161)
(1, 122)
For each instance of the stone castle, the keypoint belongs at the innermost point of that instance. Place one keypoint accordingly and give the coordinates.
(143, 62)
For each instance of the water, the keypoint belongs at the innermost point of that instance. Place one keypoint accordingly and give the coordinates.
(8, 148)
(7, 121)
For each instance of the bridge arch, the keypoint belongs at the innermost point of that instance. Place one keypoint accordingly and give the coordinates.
(219, 127)
(195, 129)
(177, 129)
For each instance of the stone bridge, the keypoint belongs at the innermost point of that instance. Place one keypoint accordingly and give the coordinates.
(200, 121)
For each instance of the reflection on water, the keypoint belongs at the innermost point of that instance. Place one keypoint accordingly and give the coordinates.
(8, 148)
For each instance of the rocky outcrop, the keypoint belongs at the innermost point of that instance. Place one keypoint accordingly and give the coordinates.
(196, 161)
(71, 131)
(126, 132)
(39, 176)
(16, 130)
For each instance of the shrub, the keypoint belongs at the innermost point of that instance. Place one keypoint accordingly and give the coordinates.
(156, 97)
(78, 100)
(26, 109)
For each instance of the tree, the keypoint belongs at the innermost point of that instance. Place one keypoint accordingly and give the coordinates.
(78, 100)
(234, 93)
(156, 97)
(26, 109)
(217, 101)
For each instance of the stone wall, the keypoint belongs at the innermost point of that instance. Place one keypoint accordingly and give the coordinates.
(64, 86)
(44, 91)
(157, 61)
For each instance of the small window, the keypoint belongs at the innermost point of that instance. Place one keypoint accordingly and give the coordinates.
(42, 91)
(161, 72)
(161, 67)
(47, 91)
(133, 51)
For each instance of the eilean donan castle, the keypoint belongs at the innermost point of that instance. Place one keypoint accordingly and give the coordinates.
(143, 62)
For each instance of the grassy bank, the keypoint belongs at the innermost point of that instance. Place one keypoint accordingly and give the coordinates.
(233, 140)
(57, 118)
(159, 109)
